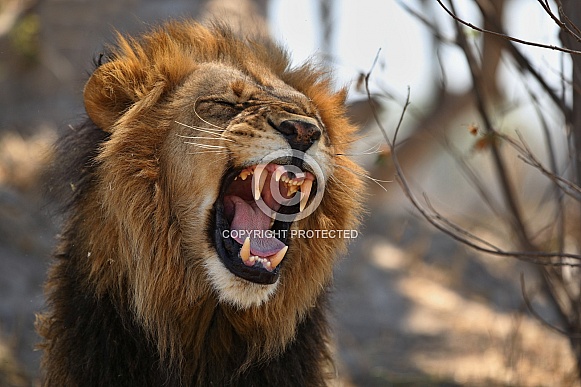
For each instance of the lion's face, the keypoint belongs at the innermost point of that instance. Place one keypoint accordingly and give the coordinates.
(231, 161)
(263, 152)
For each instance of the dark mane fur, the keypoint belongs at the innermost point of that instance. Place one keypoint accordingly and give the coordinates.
(71, 174)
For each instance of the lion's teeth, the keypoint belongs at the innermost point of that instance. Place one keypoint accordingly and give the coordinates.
(259, 184)
(305, 192)
(277, 259)
(292, 189)
(278, 173)
(244, 174)
(245, 250)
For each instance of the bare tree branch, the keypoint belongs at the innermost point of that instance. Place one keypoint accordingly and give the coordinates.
(526, 155)
(563, 26)
(449, 228)
(499, 162)
(558, 267)
(540, 318)
(507, 37)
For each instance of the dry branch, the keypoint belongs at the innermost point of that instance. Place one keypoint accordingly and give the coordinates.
(559, 269)
(504, 36)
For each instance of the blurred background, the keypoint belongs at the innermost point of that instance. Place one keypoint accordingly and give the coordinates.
(465, 269)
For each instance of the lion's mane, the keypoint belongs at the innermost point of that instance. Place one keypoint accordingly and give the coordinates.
(130, 301)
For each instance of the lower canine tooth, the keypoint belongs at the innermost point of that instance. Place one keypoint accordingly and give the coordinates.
(305, 193)
(277, 259)
(245, 250)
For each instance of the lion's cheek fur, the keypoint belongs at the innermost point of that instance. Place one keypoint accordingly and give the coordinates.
(158, 211)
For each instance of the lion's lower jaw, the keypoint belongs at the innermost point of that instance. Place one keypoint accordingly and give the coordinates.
(235, 290)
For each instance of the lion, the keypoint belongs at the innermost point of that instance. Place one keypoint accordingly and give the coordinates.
(184, 258)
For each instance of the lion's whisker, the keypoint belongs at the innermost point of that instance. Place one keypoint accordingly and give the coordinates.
(376, 181)
(342, 185)
(213, 132)
(205, 146)
(376, 149)
(204, 152)
(204, 138)
(198, 127)
(353, 140)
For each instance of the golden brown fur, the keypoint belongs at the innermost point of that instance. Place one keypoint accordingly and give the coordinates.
(137, 233)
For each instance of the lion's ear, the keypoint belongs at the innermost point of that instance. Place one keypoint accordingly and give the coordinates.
(108, 94)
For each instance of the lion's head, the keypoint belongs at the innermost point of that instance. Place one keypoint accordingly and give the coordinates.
(217, 158)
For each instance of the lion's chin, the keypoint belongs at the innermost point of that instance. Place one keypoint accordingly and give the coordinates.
(234, 290)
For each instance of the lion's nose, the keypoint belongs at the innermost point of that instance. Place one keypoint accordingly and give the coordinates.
(299, 134)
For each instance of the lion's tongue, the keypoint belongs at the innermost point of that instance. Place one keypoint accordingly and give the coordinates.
(249, 220)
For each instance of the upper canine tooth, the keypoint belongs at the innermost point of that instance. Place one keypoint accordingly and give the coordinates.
(245, 250)
(305, 193)
(278, 173)
(259, 184)
(277, 259)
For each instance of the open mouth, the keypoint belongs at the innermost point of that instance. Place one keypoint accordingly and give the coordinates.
(251, 242)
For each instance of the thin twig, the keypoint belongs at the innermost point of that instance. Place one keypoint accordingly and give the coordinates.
(536, 315)
(567, 19)
(504, 36)
(559, 211)
(472, 177)
(525, 65)
(428, 23)
(452, 230)
(558, 22)
(527, 156)
(500, 166)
